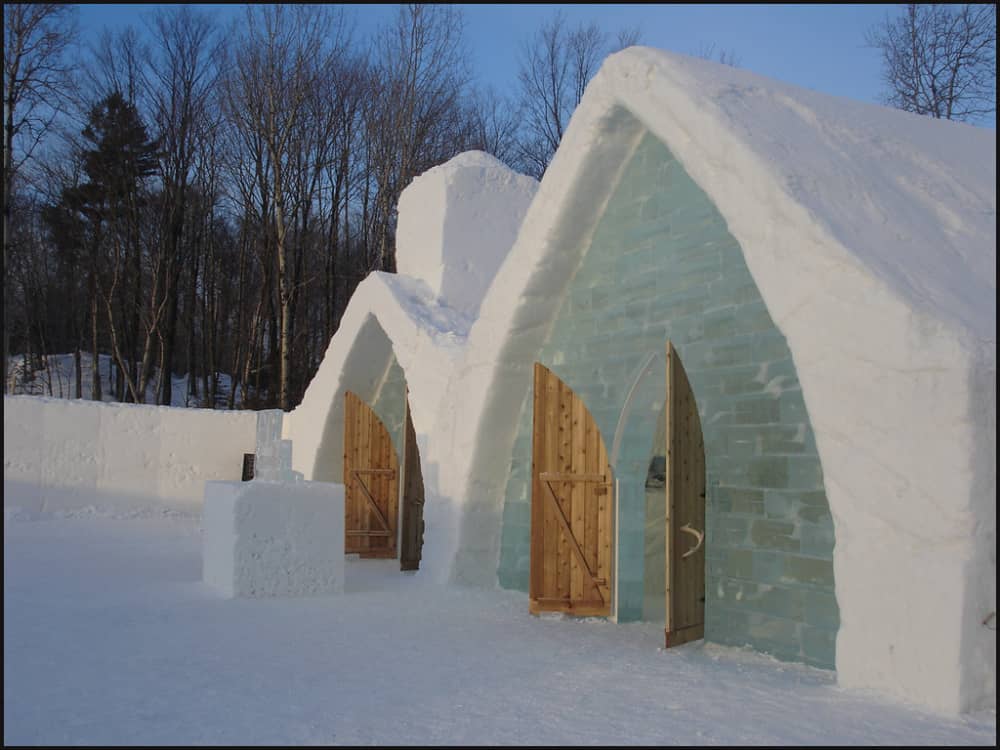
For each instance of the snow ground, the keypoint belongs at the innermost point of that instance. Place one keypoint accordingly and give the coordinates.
(110, 637)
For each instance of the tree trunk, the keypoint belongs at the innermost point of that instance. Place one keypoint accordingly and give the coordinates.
(78, 371)
(192, 381)
(95, 370)
(284, 302)
(8, 186)
(170, 337)
(241, 334)
(178, 196)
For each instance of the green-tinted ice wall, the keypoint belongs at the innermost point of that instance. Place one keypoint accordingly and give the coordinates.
(662, 265)
(390, 404)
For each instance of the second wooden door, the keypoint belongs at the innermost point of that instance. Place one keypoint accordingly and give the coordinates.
(371, 482)
(571, 504)
(685, 488)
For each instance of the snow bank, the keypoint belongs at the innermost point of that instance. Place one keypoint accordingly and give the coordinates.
(457, 221)
(273, 538)
(871, 236)
(59, 452)
(56, 378)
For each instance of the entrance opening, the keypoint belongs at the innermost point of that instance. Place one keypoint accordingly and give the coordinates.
(654, 599)
(572, 502)
(383, 511)
(684, 506)
(411, 537)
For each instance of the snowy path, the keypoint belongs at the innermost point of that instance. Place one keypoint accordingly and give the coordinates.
(111, 638)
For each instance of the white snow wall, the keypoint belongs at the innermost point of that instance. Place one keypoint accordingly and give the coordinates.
(61, 456)
(457, 222)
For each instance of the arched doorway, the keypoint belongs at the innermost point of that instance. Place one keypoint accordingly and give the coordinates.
(411, 537)
(371, 482)
(684, 486)
(381, 521)
(572, 504)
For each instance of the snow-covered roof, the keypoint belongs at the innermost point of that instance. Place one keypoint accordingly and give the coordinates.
(388, 315)
(907, 198)
(910, 198)
(457, 222)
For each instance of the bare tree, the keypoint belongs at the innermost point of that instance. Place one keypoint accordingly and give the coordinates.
(548, 90)
(346, 96)
(940, 60)
(627, 38)
(118, 62)
(495, 125)
(724, 56)
(181, 89)
(556, 65)
(418, 85)
(36, 84)
(278, 62)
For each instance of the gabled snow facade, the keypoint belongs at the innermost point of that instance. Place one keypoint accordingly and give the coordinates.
(826, 270)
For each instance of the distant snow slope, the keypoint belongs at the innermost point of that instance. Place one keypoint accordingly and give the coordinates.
(110, 638)
(57, 378)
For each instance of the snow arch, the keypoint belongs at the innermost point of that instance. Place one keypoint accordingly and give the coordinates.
(394, 317)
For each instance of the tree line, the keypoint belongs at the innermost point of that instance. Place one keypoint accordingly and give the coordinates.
(204, 199)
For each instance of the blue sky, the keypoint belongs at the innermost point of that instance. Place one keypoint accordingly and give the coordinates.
(819, 47)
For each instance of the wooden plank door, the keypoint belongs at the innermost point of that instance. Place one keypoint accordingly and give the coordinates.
(412, 533)
(371, 482)
(685, 488)
(571, 504)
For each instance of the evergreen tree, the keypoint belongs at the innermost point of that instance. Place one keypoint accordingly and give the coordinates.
(100, 219)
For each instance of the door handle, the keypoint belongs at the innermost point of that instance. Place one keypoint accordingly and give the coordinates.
(699, 535)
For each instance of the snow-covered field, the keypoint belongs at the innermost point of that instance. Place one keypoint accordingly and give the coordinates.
(110, 637)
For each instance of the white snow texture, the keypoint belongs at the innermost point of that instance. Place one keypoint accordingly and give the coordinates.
(143, 460)
(111, 639)
(265, 538)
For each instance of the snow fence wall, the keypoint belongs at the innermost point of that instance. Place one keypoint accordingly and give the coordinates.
(68, 457)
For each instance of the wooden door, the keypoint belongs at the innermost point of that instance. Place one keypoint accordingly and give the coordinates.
(571, 504)
(412, 533)
(685, 488)
(371, 482)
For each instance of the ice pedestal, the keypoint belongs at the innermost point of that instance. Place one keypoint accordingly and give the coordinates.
(263, 538)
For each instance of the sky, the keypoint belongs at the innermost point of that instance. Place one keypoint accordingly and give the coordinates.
(820, 47)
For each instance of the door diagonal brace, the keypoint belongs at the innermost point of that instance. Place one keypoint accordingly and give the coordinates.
(561, 517)
(371, 501)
